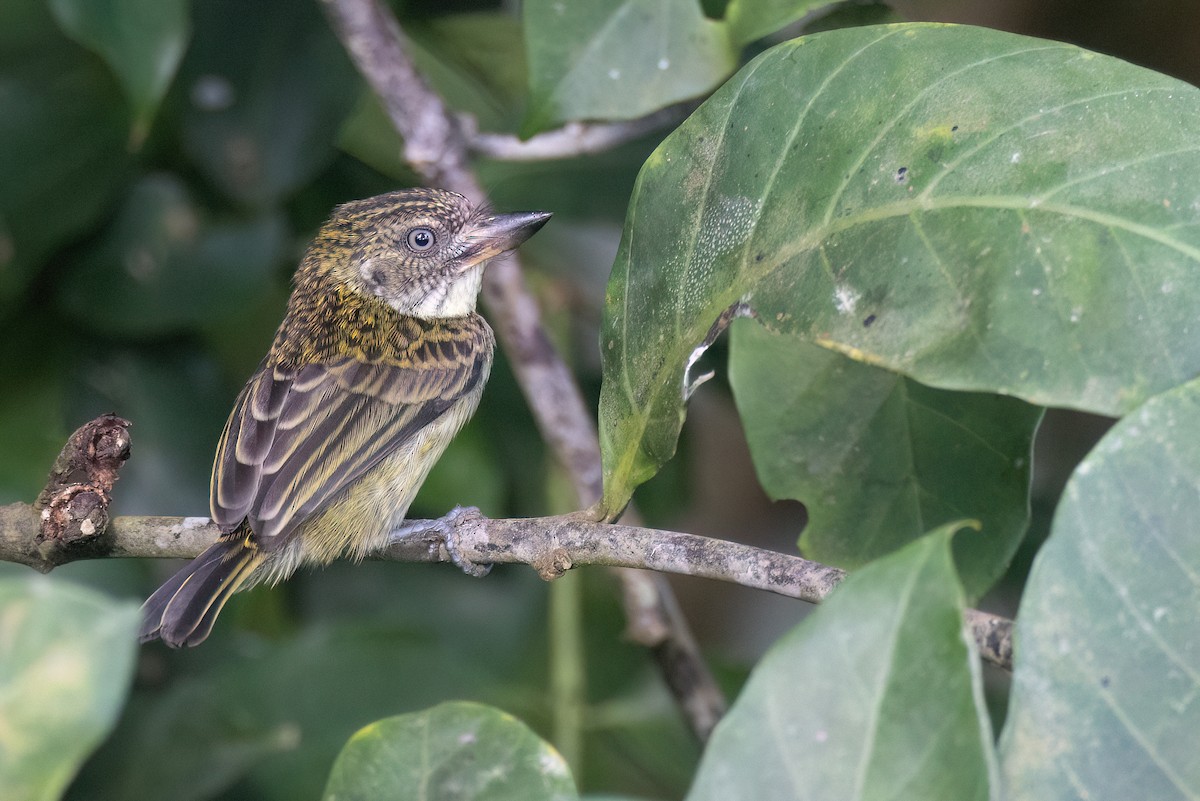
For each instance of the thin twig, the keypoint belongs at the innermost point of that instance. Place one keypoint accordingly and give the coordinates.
(551, 545)
(574, 138)
(435, 146)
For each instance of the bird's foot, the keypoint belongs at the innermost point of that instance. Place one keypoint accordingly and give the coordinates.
(448, 527)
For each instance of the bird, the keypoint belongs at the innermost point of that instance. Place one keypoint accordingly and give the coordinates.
(379, 361)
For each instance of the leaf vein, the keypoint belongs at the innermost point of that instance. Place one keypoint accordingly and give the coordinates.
(871, 736)
(1139, 737)
(953, 164)
(895, 119)
(1121, 592)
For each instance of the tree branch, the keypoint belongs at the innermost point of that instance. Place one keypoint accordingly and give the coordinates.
(436, 148)
(551, 545)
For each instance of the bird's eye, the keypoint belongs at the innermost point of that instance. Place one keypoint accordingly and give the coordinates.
(420, 239)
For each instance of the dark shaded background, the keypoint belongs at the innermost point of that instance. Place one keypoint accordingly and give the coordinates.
(148, 282)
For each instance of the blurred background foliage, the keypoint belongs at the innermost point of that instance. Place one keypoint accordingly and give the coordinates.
(154, 199)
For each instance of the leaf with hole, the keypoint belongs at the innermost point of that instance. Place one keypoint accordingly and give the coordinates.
(1010, 215)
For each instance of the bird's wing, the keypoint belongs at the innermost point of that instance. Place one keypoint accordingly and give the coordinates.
(295, 439)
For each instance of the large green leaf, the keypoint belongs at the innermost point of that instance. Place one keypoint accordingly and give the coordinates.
(166, 266)
(456, 751)
(974, 209)
(619, 59)
(876, 695)
(141, 40)
(1105, 693)
(66, 659)
(879, 458)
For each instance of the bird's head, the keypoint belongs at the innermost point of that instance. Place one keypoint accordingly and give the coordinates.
(422, 251)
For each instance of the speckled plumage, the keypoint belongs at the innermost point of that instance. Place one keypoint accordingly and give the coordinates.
(378, 363)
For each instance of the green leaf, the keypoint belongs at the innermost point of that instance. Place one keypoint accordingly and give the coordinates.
(456, 750)
(267, 89)
(753, 19)
(164, 266)
(66, 659)
(976, 210)
(878, 458)
(141, 40)
(1104, 701)
(619, 59)
(876, 695)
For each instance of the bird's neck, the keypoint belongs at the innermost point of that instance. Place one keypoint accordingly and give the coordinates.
(328, 321)
(452, 298)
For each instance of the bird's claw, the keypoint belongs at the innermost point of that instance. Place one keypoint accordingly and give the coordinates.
(447, 528)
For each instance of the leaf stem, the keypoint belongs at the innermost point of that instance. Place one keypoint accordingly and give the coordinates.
(568, 671)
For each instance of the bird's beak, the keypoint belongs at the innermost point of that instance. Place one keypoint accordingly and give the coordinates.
(494, 234)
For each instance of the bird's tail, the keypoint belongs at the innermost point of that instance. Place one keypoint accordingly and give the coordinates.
(183, 610)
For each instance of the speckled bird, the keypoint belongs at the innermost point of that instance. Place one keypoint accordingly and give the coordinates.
(379, 361)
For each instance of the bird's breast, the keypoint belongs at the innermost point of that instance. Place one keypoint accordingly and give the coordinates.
(361, 520)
